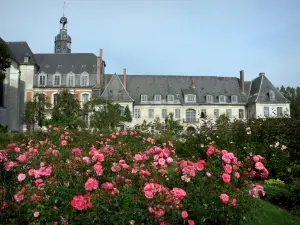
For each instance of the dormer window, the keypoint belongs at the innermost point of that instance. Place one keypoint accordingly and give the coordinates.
(222, 99)
(190, 98)
(170, 98)
(209, 99)
(271, 95)
(144, 98)
(157, 98)
(71, 80)
(84, 79)
(42, 80)
(57, 80)
(26, 59)
(234, 99)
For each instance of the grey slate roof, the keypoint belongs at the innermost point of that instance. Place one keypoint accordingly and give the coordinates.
(178, 85)
(21, 49)
(64, 64)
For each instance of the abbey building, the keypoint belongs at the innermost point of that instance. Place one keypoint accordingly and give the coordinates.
(189, 98)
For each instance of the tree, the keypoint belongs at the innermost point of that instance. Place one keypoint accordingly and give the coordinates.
(293, 95)
(5, 57)
(127, 115)
(172, 125)
(67, 111)
(29, 116)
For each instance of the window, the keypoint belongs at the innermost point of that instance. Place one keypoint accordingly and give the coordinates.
(84, 79)
(170, 98)
(85, 98)
(26, 58)
(157, 98)
(56, 80)
(216, 113)
(55, 99)
(222, 99)
(151, 113)
(144, 98)
(137, 113)
(234, 99)
(122, 110)
(209, 99)
(266, 111)
(279, 111)
(164, 113)
(271, 95)
(71, 80)
(203, 113)
(229, 113)
(190, 115)
(42, 80)
(177, 114)
(190, 98)
(241, 114)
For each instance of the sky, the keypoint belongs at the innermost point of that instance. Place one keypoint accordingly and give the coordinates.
(169, 37)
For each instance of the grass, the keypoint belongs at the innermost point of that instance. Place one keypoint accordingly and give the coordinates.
(272, 215)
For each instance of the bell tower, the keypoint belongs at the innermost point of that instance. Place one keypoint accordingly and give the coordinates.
(63, 40)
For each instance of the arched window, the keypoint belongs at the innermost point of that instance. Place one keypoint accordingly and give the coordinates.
(190, 115)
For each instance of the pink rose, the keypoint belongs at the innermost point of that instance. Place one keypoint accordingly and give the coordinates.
(91, 184)
(138, 157)
(226, 177)
(227, 168)
(184, 214)
(162, 161)
(259, 166)
(191, 222)
(36, 214)
(224, 198)
(21, 177)
(233, 202)
(237, 175)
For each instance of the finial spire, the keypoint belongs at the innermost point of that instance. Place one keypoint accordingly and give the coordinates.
(64, 6)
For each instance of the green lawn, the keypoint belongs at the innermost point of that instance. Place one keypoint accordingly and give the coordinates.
(272, 215)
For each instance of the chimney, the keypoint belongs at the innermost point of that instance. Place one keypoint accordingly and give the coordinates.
(99, 69)
(242, 80)
(261, 73)
(124, 82)
(193, 84)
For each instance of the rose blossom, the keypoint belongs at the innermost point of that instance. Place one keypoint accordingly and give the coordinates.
(91, 184)
(226, 177)
(259, 166)
(21, 177)
(228, 168)
(224, 198)
(233, 202)
(184, 214)
(36, 214)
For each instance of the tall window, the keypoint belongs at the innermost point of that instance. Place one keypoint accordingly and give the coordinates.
(209, 99)
(84, 79)
(234, 99)
(241, 114)
(122, 110)
(177, 114)
(151, 113)
(71, 80)
(229, 113)
(216, 113)
(85, 98)
(279, 111)
(42, 80)
(190, 98)
(266, 111)
(164, 113)
(56, 80)
(55, 99)
(157, 98)
(190, 115)
(170, 98)
(222, 99)
(271, 95)
(203, 113)
(137, 113)
(144, 98)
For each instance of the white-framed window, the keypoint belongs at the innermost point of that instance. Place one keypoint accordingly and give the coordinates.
(71, 80)
(271, 95)
(190, 98)
(216, 113)
(241, 114)
(229, 113)
(151, 113)
(170, 98)
(26, 59)
(137, 113)
(56, 80)
(266, 111)
(177, 114)
(209, 99)
(203, 113)
(84, 98)
(42, 79)
(144, 98)
(190, 115)
(157, 98)
(164, 113)
(222, 99)
(234, 99)
(122, 110)
(55, 99)
(279, 111)
(84, 79)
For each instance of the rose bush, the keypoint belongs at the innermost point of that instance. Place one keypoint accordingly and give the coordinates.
(122, 177)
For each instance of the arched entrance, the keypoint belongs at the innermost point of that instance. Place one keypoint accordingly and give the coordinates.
(190, 130)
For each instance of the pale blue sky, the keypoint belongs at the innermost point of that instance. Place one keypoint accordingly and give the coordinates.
(176, 37)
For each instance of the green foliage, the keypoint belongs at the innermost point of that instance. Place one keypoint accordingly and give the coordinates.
(293, 95)
(5, 57)
(127, 115)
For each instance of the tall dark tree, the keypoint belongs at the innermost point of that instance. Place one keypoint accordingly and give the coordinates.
(5, 57)
(127, 115)
(293, 95)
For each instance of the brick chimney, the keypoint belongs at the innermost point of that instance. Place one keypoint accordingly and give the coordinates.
(261, 73)
(99, 68)
(124, 82)
(242, 80)
(193, 84)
